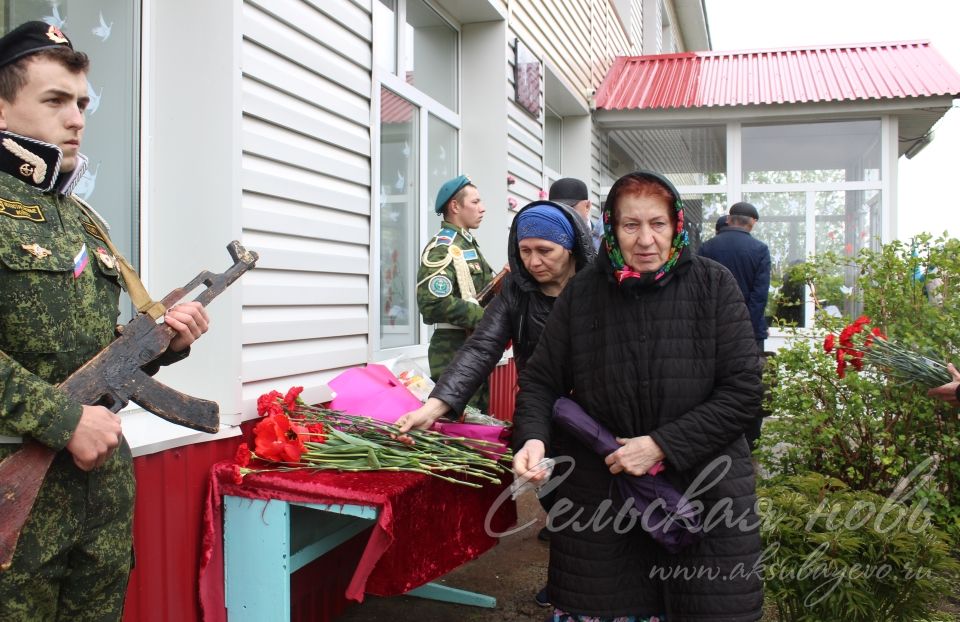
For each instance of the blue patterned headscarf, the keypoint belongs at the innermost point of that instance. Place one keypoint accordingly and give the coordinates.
(547, 223)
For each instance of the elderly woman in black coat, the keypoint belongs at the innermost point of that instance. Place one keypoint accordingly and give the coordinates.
(655, 343)
(547, 245)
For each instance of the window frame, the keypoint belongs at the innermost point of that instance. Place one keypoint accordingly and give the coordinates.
(426, 106)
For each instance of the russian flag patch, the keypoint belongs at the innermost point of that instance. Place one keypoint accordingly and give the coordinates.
(80, 262)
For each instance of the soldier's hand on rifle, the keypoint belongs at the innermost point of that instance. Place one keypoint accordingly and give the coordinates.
(95, 437)
(190, 320)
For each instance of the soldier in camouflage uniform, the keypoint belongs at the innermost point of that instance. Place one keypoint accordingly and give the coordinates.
(452, 272)
(59, 307)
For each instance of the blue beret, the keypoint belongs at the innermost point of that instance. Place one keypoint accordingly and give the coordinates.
(448, 190)
(28, 38)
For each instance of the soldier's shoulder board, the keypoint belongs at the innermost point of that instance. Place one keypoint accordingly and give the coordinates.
(445, 237)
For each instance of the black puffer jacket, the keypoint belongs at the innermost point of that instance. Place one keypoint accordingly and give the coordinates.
(517, 313)
(677, 362)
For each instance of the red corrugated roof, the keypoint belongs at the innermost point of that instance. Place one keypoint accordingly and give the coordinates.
(867, 71)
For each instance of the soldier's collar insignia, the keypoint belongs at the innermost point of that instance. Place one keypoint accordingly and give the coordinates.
(466, 235)
(16, 209)
(36, 250)
(32, 161)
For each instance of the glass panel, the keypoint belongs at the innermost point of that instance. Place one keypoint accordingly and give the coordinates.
(687, 156)
(845, 223)
(385, 25)
(701, 212)
(399, 201)
(441, 163)
(108, 32)
(782, 227)
(431, 55)
(812, 152)
(552, 139)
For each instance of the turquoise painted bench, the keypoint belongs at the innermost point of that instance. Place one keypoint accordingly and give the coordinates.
(266, 541)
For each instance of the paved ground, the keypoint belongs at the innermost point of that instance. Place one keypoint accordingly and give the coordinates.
(512, 572)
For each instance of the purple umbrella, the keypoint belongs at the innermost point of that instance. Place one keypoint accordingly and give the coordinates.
(673, 522)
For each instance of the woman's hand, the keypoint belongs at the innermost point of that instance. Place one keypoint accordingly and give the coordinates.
(636, 455)
(420, 419)
(529, 456)
(948, 392)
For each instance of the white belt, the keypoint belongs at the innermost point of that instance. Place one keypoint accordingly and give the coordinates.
(448, 326)
(11, 440)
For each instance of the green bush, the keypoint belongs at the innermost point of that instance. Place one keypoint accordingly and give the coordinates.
(832, 553)
(866, 430)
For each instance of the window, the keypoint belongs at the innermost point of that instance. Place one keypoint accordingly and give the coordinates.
(106, 30)
(552, 145)
(817, 188)
(416, 51)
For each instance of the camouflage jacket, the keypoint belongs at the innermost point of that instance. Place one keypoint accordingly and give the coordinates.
(439, 294)
(59, 307)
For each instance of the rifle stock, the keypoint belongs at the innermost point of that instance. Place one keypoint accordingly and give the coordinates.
(112, 379)
(493, 287)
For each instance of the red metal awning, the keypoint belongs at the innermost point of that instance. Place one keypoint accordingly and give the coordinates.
(875, 71)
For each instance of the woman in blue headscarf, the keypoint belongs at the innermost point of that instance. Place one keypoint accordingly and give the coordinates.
(548, 244)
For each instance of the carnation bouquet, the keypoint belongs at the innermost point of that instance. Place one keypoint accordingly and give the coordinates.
(293, 435)
(860, 343)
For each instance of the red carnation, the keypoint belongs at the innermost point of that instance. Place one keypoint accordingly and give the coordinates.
(828, 342)
(265, 401)
(292, 398)
(317, 433)
(276, 439)
(878, 333)
(860, 321)
(242, 457)
(237, 475)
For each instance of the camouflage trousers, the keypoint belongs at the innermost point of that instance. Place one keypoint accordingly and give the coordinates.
(443, 347)
(73, 558)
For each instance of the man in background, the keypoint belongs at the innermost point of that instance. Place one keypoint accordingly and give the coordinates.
(574, 193)
(748, 259)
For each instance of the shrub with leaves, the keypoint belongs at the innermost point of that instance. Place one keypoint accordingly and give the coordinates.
(832, 553)
(870, 430)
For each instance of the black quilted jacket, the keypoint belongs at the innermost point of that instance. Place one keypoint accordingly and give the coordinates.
(518, 314)
(676, 361)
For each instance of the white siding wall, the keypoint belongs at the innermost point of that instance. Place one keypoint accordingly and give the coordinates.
(579, 39)
(305, 175)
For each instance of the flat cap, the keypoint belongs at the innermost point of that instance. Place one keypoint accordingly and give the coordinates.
(448, 190)
(721, 223)
(568, 189)
(744, 209)
(28, 38)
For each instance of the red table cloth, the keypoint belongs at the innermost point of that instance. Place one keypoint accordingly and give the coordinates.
(425, 527)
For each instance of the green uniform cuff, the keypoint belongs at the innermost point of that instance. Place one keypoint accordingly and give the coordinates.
(60, 430)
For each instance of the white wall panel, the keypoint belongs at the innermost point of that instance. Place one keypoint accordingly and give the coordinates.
(305, 177)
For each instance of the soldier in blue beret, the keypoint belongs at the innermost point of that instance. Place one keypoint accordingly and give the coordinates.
(452, 272)
(60, 282)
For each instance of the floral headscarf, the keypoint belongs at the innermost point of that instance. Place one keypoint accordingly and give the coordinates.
(623, 272)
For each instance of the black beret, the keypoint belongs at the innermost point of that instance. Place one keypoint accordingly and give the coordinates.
(721, 223)
(28, 38)
(570, 189)
(744, 209)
